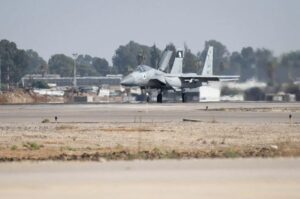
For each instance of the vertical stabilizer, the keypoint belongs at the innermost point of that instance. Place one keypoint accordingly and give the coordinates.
(208, 65)
(164, 61)
(177, 65)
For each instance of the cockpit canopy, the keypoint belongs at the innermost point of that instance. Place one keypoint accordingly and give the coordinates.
(142, 68)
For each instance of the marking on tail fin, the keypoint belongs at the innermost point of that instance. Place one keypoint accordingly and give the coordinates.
(208, 65)
(179, 54)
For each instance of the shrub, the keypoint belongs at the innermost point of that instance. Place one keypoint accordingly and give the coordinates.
(13, 148)
(32, 146)
(225, 90)
(254, 94)
(45, 121)
(40, 84)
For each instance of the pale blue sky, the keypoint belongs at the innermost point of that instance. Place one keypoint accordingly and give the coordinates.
(98, 27)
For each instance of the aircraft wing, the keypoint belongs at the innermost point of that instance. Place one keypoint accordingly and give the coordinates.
(201, 78)
(227, 78)
(157, 82)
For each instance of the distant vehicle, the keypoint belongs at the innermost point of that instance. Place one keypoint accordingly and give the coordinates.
(146, 77)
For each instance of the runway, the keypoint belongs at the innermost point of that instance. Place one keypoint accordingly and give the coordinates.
(168, 179)
(98, 128)
(221, 112)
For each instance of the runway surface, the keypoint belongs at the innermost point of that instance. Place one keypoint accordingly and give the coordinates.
(168, 179)
(221, 112)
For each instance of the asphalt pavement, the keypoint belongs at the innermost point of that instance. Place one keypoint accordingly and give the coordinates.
(221, 112)
(168, 179)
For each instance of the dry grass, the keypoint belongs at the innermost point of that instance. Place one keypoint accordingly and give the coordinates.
(126, 129)
(65, 127)
(91, 141)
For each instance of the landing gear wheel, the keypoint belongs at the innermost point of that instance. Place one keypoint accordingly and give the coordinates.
(183, 97)
(147, 97)
(159, 98)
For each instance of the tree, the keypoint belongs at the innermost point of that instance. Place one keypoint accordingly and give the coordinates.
(141, 58)
(190, 61)
(260, 64)
(221, 55)
(155, 55)
(225, 90)
(271, 71)
(248, 67)
(290, 66)
(21, 61)
(101, 66)
(14, 62)
(84, 66)
(254, 94)
(235, 64)
(125, 58)
(40, 84)
(294, 89)
(61, 64)
(265, 66)
(36, 64)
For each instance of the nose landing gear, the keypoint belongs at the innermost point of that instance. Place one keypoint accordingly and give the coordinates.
(159, 97)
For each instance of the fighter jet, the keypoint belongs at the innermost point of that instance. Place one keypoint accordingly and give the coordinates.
(147, 77)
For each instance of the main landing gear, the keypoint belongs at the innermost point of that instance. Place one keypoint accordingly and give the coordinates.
(159, 97)
(183, 97)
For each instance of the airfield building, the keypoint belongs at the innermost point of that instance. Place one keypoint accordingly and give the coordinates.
(57, 80)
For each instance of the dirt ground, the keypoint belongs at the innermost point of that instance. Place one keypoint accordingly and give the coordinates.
(151, 140)
(27, 97)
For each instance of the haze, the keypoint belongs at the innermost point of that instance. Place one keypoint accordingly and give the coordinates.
(99, 27)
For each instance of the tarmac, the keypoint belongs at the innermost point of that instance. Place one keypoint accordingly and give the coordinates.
(169, 179)
(246, 112)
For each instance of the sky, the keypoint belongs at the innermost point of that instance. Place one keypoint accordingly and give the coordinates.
(99, 27)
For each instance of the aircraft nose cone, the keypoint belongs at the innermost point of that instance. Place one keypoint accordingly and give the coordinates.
(127, 81)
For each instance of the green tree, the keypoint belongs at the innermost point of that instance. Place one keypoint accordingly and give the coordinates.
(85, 67)
(294, 89)
(235, 64)
(260, 64)
(290, 66)
(155, 55)
(254, 94)
(225, 90)
(61, 64)
(190, 61)
(36, 64)
(40, 84)
(265, 65)
(14, 62)
(141, 58)
(221, 55)
(248, 67)
(271, 71)
(125, 58)
(101, 66)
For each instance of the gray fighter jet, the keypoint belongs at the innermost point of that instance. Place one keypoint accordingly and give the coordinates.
(147, 77)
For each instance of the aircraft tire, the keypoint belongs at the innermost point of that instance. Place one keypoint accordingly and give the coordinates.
(183, 97)
(159, 98)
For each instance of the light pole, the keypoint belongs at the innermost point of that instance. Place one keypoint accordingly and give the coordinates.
(74, 71)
